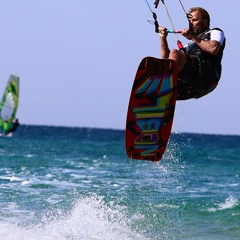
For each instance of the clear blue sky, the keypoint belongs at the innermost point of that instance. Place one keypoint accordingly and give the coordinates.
(77, 60)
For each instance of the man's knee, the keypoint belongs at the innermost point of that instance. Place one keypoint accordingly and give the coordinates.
(174, 54)
(179, 58)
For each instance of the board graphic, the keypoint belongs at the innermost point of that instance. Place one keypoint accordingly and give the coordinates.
(151, 109)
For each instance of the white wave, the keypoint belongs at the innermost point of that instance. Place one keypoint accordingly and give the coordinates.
(229, 203)
(90, 219)
(12, 178)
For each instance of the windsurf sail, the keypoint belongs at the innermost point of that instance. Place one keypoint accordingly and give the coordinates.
(9, 103)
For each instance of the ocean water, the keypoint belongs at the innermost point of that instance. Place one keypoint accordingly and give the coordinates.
(78, 183)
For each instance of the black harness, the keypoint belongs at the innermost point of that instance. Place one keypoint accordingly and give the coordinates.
(214, 61)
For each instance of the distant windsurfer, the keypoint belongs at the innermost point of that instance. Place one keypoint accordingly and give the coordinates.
(199, 63)
(15, 125)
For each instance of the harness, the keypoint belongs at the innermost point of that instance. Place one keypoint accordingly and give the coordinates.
(212, 61)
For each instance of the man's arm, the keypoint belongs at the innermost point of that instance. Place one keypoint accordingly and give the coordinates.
(163, 42)
(208, 46)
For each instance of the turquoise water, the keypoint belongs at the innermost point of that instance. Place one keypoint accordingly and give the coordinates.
(78, 183)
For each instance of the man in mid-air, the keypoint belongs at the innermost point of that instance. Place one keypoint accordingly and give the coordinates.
(199, 63)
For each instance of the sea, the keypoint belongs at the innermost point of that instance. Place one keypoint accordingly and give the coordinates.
(78, 183)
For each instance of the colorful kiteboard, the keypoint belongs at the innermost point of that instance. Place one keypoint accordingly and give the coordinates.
(151, 109)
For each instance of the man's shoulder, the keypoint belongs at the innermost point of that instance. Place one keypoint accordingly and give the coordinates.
(216, 29)
(218, 35)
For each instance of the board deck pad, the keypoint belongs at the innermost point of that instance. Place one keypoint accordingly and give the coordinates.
(151, 109)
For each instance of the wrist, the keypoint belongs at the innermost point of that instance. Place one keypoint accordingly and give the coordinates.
(195, 38)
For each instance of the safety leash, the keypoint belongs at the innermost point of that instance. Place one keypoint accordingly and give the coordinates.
(179, 44)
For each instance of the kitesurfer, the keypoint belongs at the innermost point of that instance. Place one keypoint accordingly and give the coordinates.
(198, 63)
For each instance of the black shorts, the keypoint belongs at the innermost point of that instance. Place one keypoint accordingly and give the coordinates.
(196, 79)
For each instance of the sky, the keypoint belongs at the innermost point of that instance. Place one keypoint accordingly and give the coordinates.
(77, 61)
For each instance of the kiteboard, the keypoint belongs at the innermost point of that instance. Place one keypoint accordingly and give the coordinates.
(151, 109)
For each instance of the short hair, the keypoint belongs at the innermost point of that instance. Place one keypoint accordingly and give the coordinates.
(204, 13)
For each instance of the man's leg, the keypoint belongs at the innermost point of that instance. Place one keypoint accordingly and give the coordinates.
(179, 57)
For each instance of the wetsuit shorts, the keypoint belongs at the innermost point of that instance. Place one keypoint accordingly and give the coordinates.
(196, 79)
